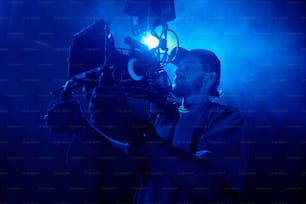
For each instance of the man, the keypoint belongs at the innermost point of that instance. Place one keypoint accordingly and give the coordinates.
(193, 155)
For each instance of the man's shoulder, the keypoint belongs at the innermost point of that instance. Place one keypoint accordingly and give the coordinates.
(218, 107)
(221, 112)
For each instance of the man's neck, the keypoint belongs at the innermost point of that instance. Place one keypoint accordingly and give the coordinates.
(196, 99)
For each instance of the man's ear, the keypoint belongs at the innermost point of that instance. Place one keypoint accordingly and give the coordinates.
(211, 76)
(208, 78)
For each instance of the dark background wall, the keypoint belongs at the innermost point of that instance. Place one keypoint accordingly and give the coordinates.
(261, 44)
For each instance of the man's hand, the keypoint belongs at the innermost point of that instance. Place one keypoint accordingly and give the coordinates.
(64, 117)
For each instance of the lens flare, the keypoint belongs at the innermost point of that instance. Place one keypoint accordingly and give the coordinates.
(149, 40)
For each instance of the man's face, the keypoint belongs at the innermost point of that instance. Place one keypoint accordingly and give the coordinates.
(188, 79)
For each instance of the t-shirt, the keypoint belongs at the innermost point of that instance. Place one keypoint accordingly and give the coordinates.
(210, 131)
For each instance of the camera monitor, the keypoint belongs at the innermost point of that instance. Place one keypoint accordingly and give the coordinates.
(90, 48)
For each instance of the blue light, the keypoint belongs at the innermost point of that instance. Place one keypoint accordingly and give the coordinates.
(149, 40)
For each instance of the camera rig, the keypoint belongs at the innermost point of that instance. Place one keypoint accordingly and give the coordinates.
(95, 61)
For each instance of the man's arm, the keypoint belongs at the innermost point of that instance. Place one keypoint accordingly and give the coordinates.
(202, 176)
(67, 117)
(189, 173)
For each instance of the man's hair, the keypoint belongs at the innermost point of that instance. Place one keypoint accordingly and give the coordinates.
(206, 57)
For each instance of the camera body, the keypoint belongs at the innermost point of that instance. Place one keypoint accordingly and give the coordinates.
(95, 61)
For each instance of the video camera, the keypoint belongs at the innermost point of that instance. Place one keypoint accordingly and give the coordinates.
(94, 59)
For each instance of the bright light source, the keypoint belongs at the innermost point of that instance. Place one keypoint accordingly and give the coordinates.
(149, 40)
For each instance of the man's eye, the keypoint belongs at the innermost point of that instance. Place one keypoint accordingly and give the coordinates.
(187, 67)
(183, 66)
